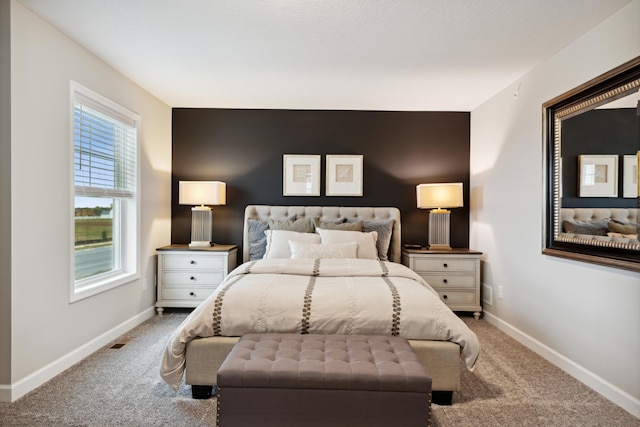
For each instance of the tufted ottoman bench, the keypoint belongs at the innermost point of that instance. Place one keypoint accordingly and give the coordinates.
(323, 380)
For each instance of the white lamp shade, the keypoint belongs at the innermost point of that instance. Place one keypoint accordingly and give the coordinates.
(202, 193)
(439, 195)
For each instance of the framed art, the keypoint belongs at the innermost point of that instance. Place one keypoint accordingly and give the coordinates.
(301, 175)
(598, 175)
(344, 175)
(630, 176)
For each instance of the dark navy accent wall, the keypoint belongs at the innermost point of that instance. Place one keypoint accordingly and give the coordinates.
(244, 148)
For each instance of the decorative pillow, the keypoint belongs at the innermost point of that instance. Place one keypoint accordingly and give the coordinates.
(623, 228)
(278, 242)
(331, 225)
(317, 221)
(384, 228)
(318, 250)
(594, 228)
(300, 225)
(366, 241)
(257, 238)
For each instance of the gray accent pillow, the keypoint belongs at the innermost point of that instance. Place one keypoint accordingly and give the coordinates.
(335, 225)
(384, 229)
(593, 228)
(332, 221)
(257, 238)
(300, 225)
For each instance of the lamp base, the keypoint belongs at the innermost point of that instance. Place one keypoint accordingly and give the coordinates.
(439, 229)
(201, 226)
(200, 244)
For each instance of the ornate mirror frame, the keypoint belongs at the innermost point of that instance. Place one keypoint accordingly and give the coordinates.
(621, 82)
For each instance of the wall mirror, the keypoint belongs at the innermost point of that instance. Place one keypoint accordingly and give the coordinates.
(592, 151)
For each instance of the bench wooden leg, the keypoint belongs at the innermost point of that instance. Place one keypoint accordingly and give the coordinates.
(440, 397)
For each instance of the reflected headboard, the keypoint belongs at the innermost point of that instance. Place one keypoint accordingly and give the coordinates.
(326, 213)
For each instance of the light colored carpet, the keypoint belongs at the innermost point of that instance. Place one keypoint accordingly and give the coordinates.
(511, 386)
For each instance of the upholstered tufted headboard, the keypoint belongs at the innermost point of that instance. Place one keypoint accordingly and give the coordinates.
(325, 213)
(594, 214)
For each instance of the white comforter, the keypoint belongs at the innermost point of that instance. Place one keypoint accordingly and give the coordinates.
(328, 296)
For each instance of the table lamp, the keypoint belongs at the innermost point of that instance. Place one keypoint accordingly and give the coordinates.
(202, 193)
(439, 196)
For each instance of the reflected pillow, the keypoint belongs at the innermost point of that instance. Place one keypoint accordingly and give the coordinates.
(366, 241)
(625, 236)
(278, 242)
(594, 228)
(323, 251)
(615, 227)
(617, 221)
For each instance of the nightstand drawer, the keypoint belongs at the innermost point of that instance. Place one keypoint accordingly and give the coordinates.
(187, 294)
(193, 262)
(450, 281)
(443, 264)
(458, 297)
(172, 278)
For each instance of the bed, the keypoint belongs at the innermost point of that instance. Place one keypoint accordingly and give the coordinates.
(318, 284)
(609, 227)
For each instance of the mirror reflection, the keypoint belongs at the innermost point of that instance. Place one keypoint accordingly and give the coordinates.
(592, 162)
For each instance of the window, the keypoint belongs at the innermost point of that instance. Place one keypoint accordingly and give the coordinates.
(105, 218)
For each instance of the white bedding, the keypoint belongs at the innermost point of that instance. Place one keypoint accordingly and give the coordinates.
(327, 296)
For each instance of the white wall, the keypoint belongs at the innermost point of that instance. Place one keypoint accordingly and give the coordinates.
(48, 333)
(583, 317)
(5, 193)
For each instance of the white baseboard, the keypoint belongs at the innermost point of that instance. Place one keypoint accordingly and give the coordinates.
(598, 384)
(10, 393)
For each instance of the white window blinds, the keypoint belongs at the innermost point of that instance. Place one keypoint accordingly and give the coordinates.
(104, 150)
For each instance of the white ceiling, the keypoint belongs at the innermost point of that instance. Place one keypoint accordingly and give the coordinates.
(429, 55)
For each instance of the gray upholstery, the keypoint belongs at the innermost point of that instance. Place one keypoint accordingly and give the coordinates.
(346, 362)
(623, 215)
(326, 213)
(320, 380)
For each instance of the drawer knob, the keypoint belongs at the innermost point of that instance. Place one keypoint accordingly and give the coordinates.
(192, 262)
(192, 278)
(445, 281)
(444, 297)
(445, 265)
(191, 293)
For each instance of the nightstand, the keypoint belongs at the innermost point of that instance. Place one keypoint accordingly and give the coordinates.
(187, 276)
(454, 274)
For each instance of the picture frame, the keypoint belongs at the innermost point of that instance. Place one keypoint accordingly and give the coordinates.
(598, 175)
(300, 175)
(344, 175)
(630, 176)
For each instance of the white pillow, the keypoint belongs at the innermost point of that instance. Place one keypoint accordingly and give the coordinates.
(366, 241)
(278, 242)
(323, 251)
